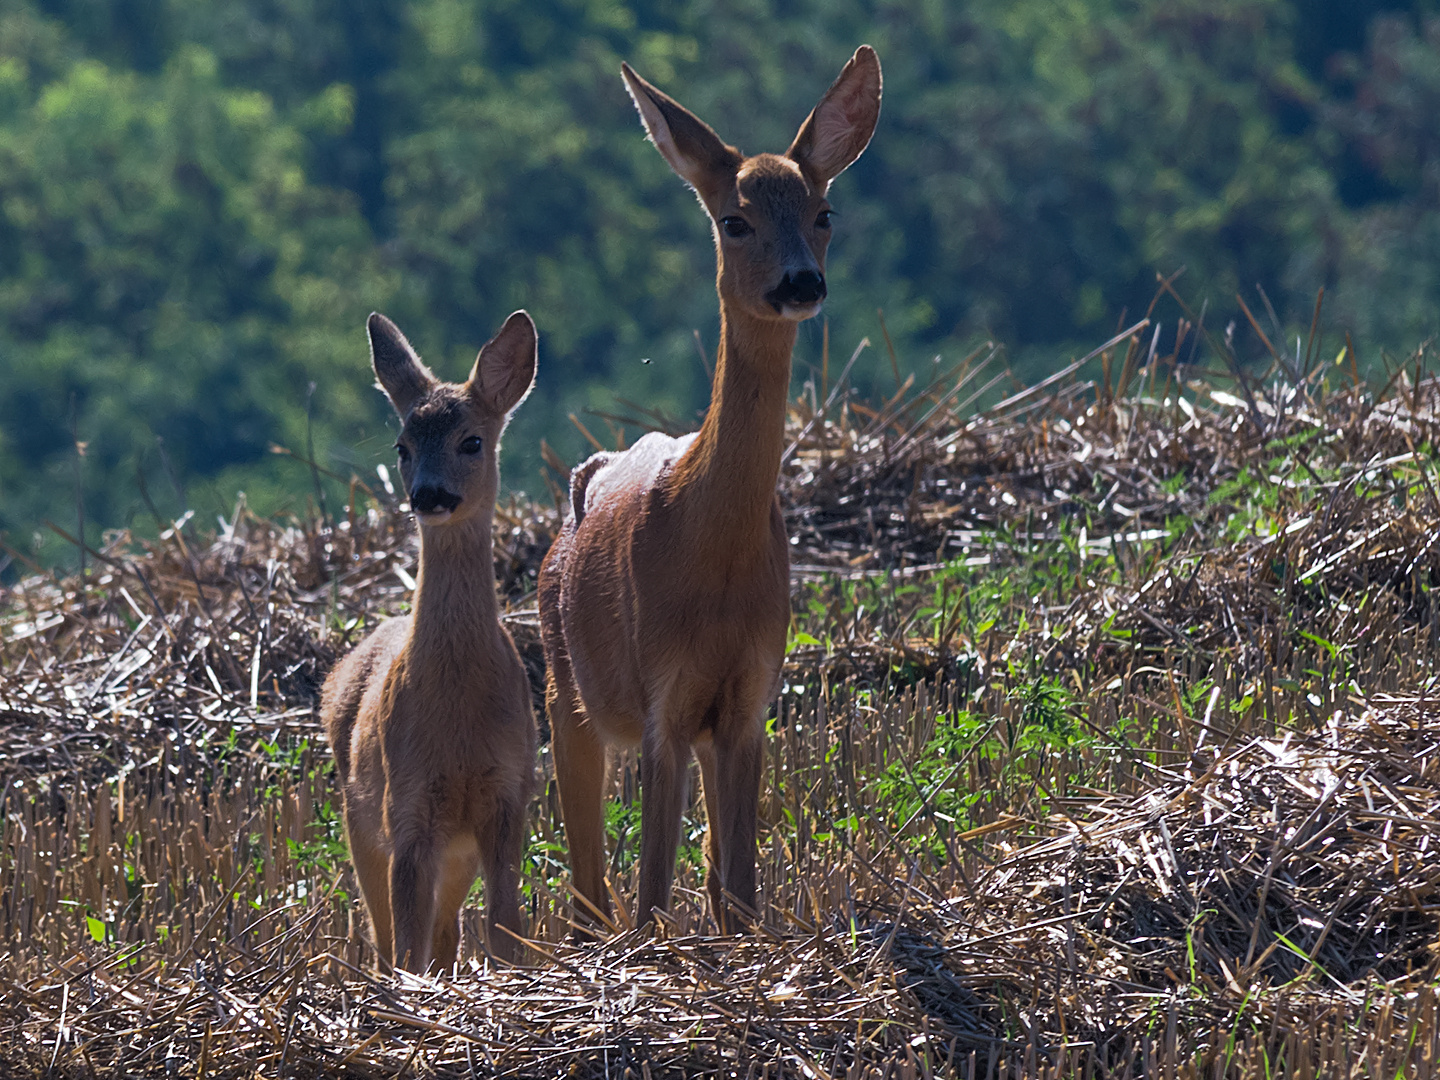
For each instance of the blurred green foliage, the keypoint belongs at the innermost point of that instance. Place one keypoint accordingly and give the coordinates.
(200, 202)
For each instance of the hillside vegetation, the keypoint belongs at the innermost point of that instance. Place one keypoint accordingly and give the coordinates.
(200, 202)
(1107, 748)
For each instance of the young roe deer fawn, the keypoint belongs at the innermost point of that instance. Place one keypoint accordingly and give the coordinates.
(665, 600)
(429, 717)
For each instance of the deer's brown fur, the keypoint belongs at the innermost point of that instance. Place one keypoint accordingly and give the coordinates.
(429, 717)
(665, 600)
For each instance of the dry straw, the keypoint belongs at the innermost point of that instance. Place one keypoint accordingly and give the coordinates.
(1233, 873)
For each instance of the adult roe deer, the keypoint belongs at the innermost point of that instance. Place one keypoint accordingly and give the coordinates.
(429, 717)
(665, 599)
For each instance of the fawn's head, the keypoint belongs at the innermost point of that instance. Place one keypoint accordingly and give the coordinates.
(449, 440)
(769, 212)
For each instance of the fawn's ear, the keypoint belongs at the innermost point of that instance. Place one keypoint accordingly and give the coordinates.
(699, 156)
(504, 371)
(839, 128)
(397, 367)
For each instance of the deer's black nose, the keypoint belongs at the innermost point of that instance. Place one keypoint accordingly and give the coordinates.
(798, 287)
(431, 499)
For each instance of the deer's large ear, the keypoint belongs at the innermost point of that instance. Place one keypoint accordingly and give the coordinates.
(839, 128)
(505, 369)
(397, 367)
(699, 156)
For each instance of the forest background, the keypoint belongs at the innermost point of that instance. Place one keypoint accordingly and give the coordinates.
(200, 202)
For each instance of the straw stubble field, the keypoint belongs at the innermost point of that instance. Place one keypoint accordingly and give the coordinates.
(1108, 747)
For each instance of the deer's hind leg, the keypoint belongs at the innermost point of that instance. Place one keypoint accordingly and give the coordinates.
(580, 777)
(714, 856)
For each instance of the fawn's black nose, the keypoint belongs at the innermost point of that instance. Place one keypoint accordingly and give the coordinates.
(431, 499)
(799, 288)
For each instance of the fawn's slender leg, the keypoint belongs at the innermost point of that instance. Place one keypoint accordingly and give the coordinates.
(372, 870)
(412, 899)
(502, 884)
(458, 868)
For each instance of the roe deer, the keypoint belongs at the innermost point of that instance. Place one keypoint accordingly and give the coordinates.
(665, 600)
(429, 717)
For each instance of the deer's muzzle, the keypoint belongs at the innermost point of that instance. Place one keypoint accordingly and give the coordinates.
(797, 289)
(433, 499)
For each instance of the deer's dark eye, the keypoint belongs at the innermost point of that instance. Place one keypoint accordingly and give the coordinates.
(822, 221)
(735, 227)
(404, 453)
(472, 445)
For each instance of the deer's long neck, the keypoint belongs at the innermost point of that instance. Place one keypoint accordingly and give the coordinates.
(726, 480)
(456, 613)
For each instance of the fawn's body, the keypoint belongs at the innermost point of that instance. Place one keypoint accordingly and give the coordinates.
(429, 717)
(665, 599)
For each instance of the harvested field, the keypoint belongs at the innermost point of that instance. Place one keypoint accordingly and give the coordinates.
(1109, 746)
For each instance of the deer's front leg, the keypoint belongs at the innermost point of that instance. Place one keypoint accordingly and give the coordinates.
(664, 768)
(502, 886)
(738, 757)
(413, 875)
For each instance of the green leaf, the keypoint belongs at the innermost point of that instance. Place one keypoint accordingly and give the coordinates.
(1327, 646)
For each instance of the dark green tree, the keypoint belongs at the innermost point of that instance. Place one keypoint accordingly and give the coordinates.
(199, 203)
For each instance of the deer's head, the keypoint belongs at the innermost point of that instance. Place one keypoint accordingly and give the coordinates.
(450, 432)
(770, 216)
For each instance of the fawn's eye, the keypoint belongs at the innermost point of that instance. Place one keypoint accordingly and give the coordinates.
(402, 451)
(822, 221)
(735, 227)
(472, 445)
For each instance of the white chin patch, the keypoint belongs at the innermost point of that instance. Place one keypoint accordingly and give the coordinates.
(800, 312)
(437, 517)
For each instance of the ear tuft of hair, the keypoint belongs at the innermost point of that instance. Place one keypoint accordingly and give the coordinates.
(699, 157)
(504, 370)
(398, 369)
(839, 128)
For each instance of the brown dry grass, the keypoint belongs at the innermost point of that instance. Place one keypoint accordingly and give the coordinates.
(1166, 806)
